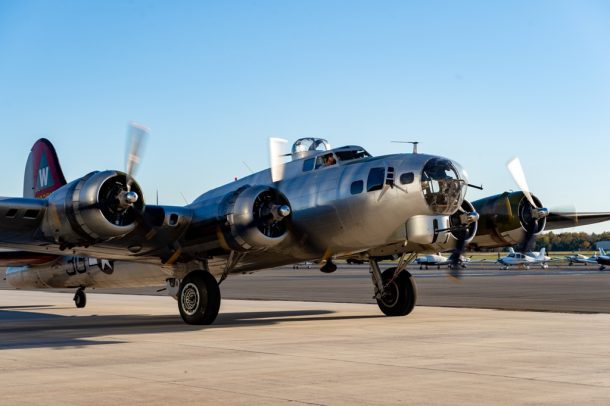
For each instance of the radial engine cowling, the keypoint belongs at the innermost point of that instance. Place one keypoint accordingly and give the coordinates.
(256, 218)
(464, 223)
(504, 219)
(97, 207)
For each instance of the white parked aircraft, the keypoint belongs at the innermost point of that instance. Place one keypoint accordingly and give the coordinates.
(525, 260)
(439, 260)
(581, 259)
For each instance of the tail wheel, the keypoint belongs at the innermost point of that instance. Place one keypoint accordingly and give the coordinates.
(199, 298)
(80, 298)
(400, 293)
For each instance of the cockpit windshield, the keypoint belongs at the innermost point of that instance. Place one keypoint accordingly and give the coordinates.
(442, 186)
(351, 154)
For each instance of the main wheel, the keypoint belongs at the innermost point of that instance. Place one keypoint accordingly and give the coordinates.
(199, 298)
(80, 298)
(399, 295)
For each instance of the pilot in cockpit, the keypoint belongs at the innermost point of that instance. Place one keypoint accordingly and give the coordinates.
(329, 160)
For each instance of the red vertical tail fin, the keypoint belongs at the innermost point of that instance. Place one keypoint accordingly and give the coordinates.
(43, 174)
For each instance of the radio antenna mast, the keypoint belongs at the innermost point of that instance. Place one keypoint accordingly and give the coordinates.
(409, 142)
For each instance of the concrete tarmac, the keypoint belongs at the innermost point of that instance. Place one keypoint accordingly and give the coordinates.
(126, 349)
(579, 289)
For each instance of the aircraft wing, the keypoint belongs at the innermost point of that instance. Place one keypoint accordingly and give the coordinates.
(478, 261)
(20, 218)
(557, 220)
(154, 238)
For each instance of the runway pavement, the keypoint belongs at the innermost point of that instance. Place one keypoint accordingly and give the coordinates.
(576, 288)
(125, 349)
(295, 343)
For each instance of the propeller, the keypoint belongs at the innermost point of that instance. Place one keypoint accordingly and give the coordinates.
(535, 213)
(276, 155)
(136, 137)
(463, 226)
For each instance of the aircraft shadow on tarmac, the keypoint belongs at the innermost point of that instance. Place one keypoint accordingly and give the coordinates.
(23, 327)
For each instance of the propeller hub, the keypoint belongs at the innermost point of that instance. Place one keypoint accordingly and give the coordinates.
(131, 197)
(540, 213)
(280, 211)
(284, 210)
(469, 217)
(128, 199)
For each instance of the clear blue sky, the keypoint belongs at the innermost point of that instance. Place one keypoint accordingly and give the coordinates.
(479, 82)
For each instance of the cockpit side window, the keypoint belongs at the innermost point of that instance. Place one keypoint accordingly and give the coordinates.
(325, 160)
(308, 164)
(375, 179)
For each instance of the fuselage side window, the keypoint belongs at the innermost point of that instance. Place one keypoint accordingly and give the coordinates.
(357, 187)
(375, 179)
(308, 164)
(407, 178)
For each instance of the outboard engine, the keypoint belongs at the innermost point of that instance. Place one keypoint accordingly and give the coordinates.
(97, 207)
(507, 218)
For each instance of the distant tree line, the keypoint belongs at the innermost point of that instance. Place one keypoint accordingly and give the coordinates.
(570, 241)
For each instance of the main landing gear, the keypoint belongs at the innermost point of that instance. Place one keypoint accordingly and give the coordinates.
(395, 289)
(80, 298)
(199, 298)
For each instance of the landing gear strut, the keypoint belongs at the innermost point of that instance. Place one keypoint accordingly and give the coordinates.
(199, 298)
(80, 298)
(395, 289)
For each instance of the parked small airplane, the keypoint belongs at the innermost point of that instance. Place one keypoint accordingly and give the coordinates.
(525, 260)
(439, 260)
(581, 259)
(603, 259)
(436, 260)
(306, 264)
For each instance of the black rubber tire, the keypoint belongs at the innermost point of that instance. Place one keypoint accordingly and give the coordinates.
(199, 298)
(80, 299)
(401, 293)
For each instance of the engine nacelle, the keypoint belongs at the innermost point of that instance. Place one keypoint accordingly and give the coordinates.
(464, 223)
(504, 218)
(443, 233)
(97, 207)
(255, 218)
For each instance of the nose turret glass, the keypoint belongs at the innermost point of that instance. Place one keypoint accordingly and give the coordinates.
(442, 187)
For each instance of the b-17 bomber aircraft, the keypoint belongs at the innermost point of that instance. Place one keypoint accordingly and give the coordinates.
(325, 204)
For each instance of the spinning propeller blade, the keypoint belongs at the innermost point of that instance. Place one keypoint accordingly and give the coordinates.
(535, 213)
(136, 136)
(516, 170)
